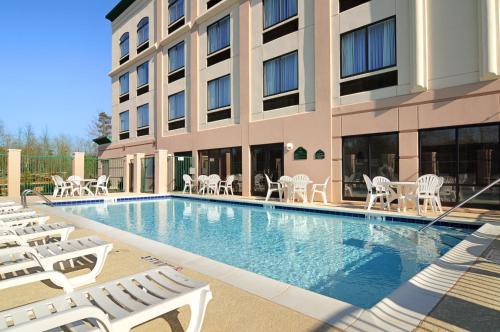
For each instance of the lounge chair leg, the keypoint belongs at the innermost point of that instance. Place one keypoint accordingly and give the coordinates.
(92, 275)
(198, 308)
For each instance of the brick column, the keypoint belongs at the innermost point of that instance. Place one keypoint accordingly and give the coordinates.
(14, 173)
(161, 171)
(78, 164)
(137, 172)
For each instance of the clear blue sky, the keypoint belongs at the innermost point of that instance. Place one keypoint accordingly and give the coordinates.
(54, 56)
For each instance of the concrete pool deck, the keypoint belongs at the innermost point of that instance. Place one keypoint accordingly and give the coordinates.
(235, 309)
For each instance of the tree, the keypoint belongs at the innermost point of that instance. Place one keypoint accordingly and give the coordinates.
(100, 126)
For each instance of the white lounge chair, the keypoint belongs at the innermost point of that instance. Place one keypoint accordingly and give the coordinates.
(213, 184)
(23, 221)
(7, 203)
(300, 182)
(272, 187)
(25, 235)
(60, 186)
(117, 305)
(47, 255)
(188, 184)
(17, 213)
(101, 185)
(202, 184)
(12, 207)
(77, 186)
(320, 188)
(227, 185)
(373, 194)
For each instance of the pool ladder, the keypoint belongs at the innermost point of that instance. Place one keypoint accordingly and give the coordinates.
(497, 181)
(25, 193)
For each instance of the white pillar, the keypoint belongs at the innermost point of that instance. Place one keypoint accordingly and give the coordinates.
(78, 164)
(489, 25)
(126, 173)
(161, 171)
(419, 45)
(14, 173)
(137, 172)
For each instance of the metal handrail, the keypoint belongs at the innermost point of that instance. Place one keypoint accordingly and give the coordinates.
(24, 202)
(459, 205)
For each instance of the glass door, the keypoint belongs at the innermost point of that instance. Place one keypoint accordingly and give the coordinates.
(266, 159)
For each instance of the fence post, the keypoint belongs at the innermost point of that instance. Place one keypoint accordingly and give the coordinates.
(137, 172)
(78, 164)
(14, 173)
(126, 172)
(161, 171)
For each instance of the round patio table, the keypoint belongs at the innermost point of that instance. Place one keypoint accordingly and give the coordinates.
(402, 188)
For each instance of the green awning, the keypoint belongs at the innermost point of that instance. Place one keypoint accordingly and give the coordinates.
(102, 140)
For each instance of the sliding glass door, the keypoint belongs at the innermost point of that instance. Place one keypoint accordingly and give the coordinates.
(266, 159)
(224, 162)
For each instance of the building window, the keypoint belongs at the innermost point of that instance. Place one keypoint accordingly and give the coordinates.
(218, 35)
(176, 57)
(124, 84)
(319, 155)
(276, 11)
(143, 116)
(124, 46)
(281, 74)
(373, 155)
(219, 92)
(175, 10)
(369, 48)
(468, 158)
(124, 121)
(224, 162)
(300, 154)
(143, 31)
(176, 106)
(148, 175)
(142, 74)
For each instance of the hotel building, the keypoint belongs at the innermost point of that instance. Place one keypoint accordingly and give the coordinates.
(329, 88)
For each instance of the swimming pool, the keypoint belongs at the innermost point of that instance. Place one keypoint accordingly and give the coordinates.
(355, 260)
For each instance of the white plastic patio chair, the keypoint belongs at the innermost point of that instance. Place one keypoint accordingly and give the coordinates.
(272, 187)
(227, 185)
(37, 233)
(213, 184)
(202, 184)
(101, 185)
(320, 188)
(381, 186)
(114, 306)
(425, 189)
(48, 255)
(188, 183)
(60, 186)
(438, 193)
(78, 186)
(373, 194)
(286, 185)
(300, 182)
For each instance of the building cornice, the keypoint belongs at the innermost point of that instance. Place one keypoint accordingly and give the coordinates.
(119, 9)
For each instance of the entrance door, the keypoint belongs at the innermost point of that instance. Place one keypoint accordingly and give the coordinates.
(266, 159)
(183, 165)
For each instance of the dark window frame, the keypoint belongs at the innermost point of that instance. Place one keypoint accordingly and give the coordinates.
(119, 118)
(120, 84)
(140, 26)
(228, 16)
(179, 18)
(220, 108)
(265, 29)
(168, 108)
(168, 53)
(264, 97)
(351, 4)
(137, 112)
(122, 40)
(365, 27)
(137, 74)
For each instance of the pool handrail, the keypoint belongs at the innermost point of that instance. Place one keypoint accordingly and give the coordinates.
(24, 201)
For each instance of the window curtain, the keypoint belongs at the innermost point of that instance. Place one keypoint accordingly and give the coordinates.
(271, 77)
(176, 106)
(281, 74)
(143, 116)
(276, 11)
(142, 74)
(143, 31)
(124, 84)
(176, 57)
(218, 35)
(175, 10)
(289, 72)
(219, 92)
(382, 45)
(353, 53)
(124, 45)
(124, 121)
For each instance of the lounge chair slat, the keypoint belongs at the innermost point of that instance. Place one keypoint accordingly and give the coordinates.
(124, 299)
(20, 317)
(180, 278)
(154, 288)
(107, 305)
(168, 284)
(41, 310)
(139, 293)
(43, 251)
(61, 303)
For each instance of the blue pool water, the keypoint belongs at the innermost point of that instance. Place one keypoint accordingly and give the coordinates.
(355, 260)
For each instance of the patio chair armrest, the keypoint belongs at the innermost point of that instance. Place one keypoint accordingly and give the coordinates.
(56, 277)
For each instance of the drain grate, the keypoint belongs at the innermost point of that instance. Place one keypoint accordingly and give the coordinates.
(493, 256)
(158, 262)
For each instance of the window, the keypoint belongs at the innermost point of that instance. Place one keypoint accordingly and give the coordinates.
(124, 121)
(224, 162)
(319, 155)
(143, 116)
(219, 92)
(142, 74)
(468, 158)
(276, 11)
(218, 35)
(369, 48)
(176, 108)
(175, 10)
(143, 31)
(300, 154)
(176, 57)
(124, 45)
(123, 84)
(148, 175)
(281, 74)
(373, 155)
